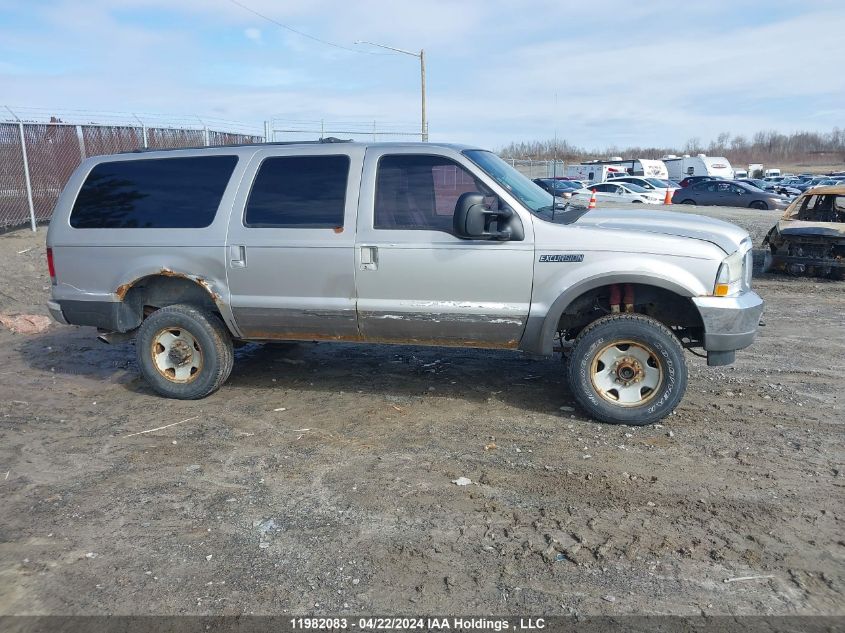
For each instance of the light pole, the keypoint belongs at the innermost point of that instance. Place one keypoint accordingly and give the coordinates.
(421, 56)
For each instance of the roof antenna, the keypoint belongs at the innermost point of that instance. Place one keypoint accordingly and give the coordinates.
(554, 162)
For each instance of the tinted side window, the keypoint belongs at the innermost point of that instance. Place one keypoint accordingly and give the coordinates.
(420, 192)
(307, 192)
(153, 193)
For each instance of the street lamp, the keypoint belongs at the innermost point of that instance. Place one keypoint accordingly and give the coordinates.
(421, 56)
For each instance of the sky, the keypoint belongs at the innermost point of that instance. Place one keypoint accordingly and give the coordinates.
(650, 72)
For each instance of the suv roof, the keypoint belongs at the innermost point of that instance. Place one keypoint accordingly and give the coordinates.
(330, 140)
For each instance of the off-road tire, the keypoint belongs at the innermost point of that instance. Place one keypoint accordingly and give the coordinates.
(642, 330)
(212, 337)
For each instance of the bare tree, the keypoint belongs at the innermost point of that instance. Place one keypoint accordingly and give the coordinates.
(764, 147)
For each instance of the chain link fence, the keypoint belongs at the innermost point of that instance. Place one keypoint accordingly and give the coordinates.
(538, 168)
(38, 157)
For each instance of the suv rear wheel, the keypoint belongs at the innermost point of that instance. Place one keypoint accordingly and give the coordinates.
(627, 369)
(184, 352)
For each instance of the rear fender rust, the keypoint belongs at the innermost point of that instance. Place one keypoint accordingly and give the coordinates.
(122, 289)
(166, 272)
(204, 287)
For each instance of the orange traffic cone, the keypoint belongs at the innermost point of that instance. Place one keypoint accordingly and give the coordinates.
(592, 204)
(668, 198)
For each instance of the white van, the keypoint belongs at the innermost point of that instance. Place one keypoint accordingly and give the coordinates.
(771, 173)
(740, 173)
(680, 167)
(594, 172)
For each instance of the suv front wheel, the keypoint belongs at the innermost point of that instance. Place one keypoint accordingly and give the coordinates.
(184, 352)
(627, 369)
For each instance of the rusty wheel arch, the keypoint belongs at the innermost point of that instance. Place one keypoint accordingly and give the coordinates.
(167, 287)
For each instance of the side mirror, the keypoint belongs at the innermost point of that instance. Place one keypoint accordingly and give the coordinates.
(473, 221)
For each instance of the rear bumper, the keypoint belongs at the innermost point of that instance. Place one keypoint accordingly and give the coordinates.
(730, 323)
(105, 315)
(56, 312)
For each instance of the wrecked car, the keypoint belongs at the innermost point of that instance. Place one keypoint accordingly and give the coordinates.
(810, 237)
(189, 251)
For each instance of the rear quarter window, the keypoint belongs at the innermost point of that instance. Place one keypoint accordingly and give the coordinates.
(153, 193)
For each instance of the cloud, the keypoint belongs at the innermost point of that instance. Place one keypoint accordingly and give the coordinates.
(253, 34)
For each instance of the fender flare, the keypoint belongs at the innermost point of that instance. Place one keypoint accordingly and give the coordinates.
(540, 331)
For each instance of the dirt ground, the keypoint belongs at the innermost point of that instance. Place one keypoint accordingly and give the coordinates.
(319, 479)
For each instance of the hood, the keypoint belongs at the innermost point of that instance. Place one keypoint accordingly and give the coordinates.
(725, 235)
(807, 229)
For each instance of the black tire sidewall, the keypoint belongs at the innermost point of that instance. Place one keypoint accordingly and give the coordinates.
(212, 345)
(643, 330)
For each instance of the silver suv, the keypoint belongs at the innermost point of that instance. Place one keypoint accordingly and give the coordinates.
(421, 244)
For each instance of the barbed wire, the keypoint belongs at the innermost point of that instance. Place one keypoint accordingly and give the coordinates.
(29, 114)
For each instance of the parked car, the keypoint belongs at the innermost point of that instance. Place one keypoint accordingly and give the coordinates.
(620, 193)
(189, 250)
(649, 184)
(729, 193)
(558, 187)
(810, 237)
(778, 188)
(797, 184)
(757, 182)
(691, 180)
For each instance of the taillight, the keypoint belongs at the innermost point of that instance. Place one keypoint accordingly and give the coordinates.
(50, 267)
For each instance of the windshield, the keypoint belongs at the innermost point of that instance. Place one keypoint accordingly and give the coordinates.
(656, 182)
(530, 194)
(635, 188)
(566, 184)
(559, 184)
(536, 199)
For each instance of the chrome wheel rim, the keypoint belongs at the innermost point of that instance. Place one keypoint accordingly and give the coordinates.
(176, 355)
(626, 373)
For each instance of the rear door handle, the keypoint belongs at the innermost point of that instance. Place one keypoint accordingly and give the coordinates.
(369, 258)
(237, 256)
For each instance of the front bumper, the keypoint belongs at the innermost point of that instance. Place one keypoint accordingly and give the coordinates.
(730, 323)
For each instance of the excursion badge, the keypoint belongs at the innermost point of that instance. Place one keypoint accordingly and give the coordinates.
(569, 257)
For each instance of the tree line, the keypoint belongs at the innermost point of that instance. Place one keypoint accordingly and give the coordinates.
(762, 147)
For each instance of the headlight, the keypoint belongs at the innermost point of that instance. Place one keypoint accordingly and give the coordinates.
(734, 276)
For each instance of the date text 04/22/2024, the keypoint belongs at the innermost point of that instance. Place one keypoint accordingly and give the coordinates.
(419, 623)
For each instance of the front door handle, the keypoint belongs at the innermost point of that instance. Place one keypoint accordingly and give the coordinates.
(237, 256)
(369, 258)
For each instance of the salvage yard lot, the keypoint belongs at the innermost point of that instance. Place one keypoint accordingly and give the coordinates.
(319, 478)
